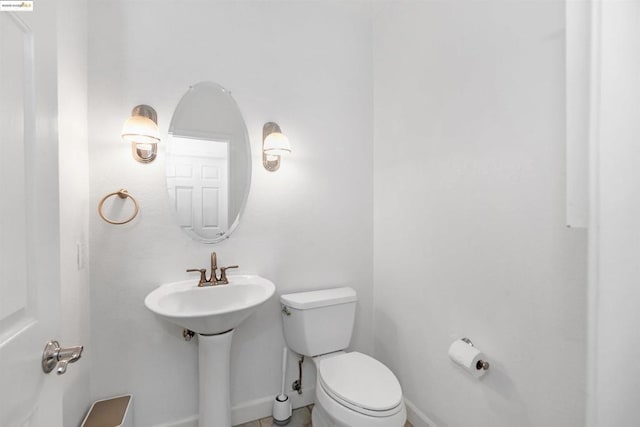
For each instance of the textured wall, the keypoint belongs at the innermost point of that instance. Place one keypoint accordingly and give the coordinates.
(469, 237)
(615, 240)
(306, 65)
(469, 212)
(74, 201)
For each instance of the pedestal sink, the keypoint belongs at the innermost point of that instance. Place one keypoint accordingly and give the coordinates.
(212, 312)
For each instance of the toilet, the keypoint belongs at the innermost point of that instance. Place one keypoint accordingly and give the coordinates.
(352, 389)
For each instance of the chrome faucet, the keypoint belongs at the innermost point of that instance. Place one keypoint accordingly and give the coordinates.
(213, 279)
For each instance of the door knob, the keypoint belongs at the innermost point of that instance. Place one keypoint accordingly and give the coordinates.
(53, 355)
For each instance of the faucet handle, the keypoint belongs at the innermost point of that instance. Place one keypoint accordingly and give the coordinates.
(223, 274)
(214, 262)
(203, 275)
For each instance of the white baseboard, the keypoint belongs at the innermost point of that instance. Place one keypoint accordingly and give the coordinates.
(251, 410)
(191, 421)
(417, 417)
(263, 407)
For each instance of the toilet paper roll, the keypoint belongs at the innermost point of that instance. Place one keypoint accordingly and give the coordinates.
(467, 356)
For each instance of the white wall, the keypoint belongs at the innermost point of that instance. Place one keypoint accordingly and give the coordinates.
(306, 65)
(469, 182)
(74, 199)
(614, 241)
(470, 238)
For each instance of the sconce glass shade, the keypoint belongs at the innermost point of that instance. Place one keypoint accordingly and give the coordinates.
(141, 130)
(277, 144)
(274, 143)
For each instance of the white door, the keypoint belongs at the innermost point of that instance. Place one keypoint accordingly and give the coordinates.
(29, 224)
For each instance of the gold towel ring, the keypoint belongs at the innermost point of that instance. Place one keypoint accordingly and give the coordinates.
(123, 194)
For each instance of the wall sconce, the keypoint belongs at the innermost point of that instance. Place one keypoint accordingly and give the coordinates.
(274, 144)
(141, 130)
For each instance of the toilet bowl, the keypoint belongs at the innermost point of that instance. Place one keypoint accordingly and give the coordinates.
(352, 389)
(356, 390)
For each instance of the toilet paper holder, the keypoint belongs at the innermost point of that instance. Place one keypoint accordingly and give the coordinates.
(481, 364)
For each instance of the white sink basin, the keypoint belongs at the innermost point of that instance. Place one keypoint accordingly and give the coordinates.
(210, 309)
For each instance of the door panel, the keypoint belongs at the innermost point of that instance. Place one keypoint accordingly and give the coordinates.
(16, 111)
(29, 218)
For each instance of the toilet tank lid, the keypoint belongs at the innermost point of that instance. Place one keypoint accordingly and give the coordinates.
(315, 299)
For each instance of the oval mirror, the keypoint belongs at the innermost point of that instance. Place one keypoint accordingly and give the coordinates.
(208, 163)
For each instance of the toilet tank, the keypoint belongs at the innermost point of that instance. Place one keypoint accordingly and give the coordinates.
(318, 322)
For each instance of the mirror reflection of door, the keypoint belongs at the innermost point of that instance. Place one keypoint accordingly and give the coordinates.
(198, 184)
(208, 196)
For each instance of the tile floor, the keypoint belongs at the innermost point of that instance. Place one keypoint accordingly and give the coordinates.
(301, 418)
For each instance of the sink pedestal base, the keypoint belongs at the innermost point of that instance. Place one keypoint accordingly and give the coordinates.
(214, 353)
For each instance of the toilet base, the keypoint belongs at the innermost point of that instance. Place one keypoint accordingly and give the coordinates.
(319, 418)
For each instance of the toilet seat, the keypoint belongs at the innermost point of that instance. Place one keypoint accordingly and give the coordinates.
(361, 383)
